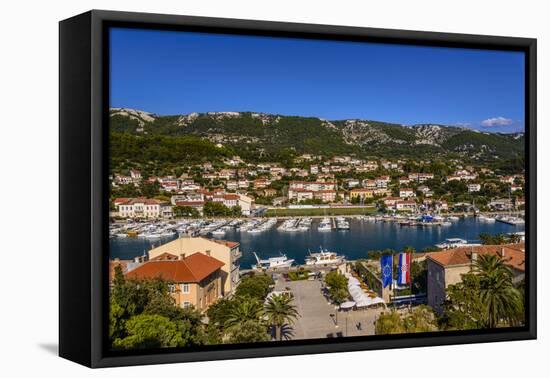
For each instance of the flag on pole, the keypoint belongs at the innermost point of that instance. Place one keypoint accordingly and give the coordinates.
(404, 269)
(386, 264)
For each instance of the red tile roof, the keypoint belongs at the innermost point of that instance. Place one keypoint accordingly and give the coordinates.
(131, 201)
(193, 268)
(512, 254)
(190, 203)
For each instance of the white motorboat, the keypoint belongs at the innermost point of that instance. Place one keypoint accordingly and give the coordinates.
(455, 243)
(324, 225)
(273, 262)
(324, 257)
(511, 220)
(485, 218)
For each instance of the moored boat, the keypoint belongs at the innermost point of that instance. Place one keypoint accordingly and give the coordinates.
(273, 262)
(455, 243)
(324, 257)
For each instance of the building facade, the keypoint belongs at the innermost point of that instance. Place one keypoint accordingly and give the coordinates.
(447, 267)
(194, 280)
(225, 251)
(138, 207)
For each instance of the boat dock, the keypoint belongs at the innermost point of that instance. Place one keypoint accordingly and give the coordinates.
(296, 268)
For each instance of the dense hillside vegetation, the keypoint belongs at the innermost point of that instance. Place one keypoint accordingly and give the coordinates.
(266, 137)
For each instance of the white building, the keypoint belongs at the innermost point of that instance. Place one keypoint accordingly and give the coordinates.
(406, 193)
(474, 188)
(138, 207)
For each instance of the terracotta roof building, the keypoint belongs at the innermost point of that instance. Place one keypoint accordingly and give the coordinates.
(447, 267)
(225, 251)
(195, 280)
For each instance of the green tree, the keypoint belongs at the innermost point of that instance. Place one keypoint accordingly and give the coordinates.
(501, 301)
(254, 286)
(185, 211)
(150, 331)
(279, 311)
(337, 286)
(497, 239)
(243, 310)
(389, 323)
(236, 211)
(131, 298)
(250, 331)
(485, 298)
(215, 209)
(419, 319)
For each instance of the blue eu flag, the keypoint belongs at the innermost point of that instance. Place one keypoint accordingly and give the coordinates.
(386, 264)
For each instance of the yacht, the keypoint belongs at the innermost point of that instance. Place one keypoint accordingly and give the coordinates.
(218, 232)
(324, 225)
(485, 218)
(324, 257)
(455, 243)
(511, 220)
(273, 262)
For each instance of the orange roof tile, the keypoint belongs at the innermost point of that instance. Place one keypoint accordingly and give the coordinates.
(512, 254)
(194, 268)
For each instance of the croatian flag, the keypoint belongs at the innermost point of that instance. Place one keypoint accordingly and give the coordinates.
(404, 269)
(387, 272)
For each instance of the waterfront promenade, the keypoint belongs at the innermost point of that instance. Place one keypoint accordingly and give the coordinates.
(320, 319)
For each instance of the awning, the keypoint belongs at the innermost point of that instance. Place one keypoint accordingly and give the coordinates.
(347, 305)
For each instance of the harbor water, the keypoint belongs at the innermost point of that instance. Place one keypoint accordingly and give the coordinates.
(362, 236)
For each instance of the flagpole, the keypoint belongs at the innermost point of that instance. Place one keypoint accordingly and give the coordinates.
(410, 279)
(392, 285)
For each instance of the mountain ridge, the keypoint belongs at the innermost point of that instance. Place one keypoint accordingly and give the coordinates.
(271, 132)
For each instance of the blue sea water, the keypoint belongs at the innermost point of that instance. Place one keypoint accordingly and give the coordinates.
(354, 243)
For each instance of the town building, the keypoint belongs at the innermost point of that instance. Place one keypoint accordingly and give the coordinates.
(225, 251)
(405, 206)
(325, 195)
(169, 184)
(421, 177)
(195, 279)
(369, 184)
(140, 207)
(361, 193)
(447, 267)
(382, 181)
(404, 180)
(261, 183)
(303, 190)
(269, 192)
(406, 193)
(474, 187)
(352, 183)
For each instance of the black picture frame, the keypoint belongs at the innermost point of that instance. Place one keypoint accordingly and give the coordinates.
(83, 180)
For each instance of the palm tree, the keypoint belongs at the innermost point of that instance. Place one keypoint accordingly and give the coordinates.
(501, 301)
(243, 310)
(280, 311)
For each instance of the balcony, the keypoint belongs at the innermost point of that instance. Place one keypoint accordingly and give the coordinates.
(237, 254)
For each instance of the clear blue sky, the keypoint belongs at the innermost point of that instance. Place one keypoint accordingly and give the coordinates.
(168, 72)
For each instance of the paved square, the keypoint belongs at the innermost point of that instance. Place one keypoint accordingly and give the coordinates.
(316, 320)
